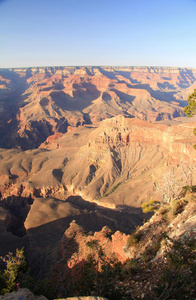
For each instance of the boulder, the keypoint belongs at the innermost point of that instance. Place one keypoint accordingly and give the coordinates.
(85, 298)
(22, 294)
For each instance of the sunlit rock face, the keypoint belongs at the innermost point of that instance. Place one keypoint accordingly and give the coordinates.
(38, 102)
(89, 144)
(116, 162)
(99, 130)
(75, 234)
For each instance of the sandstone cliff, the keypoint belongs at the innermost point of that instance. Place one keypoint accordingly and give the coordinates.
(114, 164)
(38, 102)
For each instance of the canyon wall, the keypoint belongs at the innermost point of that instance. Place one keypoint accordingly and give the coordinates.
(89, 144)
(38, 102)
(115, 163)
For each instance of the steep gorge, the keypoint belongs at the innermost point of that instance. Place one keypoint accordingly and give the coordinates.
(38, 102)
(87, 144)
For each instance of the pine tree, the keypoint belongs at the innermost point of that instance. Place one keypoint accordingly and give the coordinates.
(190, 109)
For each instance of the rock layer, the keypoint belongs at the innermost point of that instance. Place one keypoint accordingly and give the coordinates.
(38, 102)
(115, 164)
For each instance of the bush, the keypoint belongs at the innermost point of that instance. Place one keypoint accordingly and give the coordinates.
(171, 210)
(38, 287)
(15, 268)
(131, 267)
(150, 206)
(17, 272)
(163, 209)
(151, 251)
(187, 188)
(178, 279)
(112, 190)
(177, 206)
(134, 239)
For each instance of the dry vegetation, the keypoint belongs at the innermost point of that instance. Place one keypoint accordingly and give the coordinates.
(162, 263)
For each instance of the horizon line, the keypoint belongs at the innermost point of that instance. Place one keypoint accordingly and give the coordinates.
(97, 66)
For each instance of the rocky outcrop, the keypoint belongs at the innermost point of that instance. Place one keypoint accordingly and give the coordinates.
(22, 294)
(119, 132)
(162, 244)
(75, 240)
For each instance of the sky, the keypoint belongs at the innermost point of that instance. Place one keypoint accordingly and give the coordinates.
(97, 33)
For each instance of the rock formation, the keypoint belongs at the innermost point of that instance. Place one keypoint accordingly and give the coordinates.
(22, 294)
(88, 144)
(114, 164)
(75, 235)
(39, 102)
(142, 253)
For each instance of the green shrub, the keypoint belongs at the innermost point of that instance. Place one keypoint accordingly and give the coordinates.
(170, 211)
(15, 268)
(112, 190)
(17, 272)
(134, 239)
(38, 287)
(188, 188)
(151, 251)
(131, 266)
(178, 205)
(150, 206)
(178, 279)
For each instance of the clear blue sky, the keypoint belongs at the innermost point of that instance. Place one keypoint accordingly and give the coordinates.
(92, 32)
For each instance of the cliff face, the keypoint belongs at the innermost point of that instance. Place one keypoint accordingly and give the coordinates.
(116, 163)
(38, 102)
(75, 240)
(157, 247)
(125, 157)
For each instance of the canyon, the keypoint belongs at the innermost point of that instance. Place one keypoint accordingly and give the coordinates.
(39, 102)
(82, 148)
